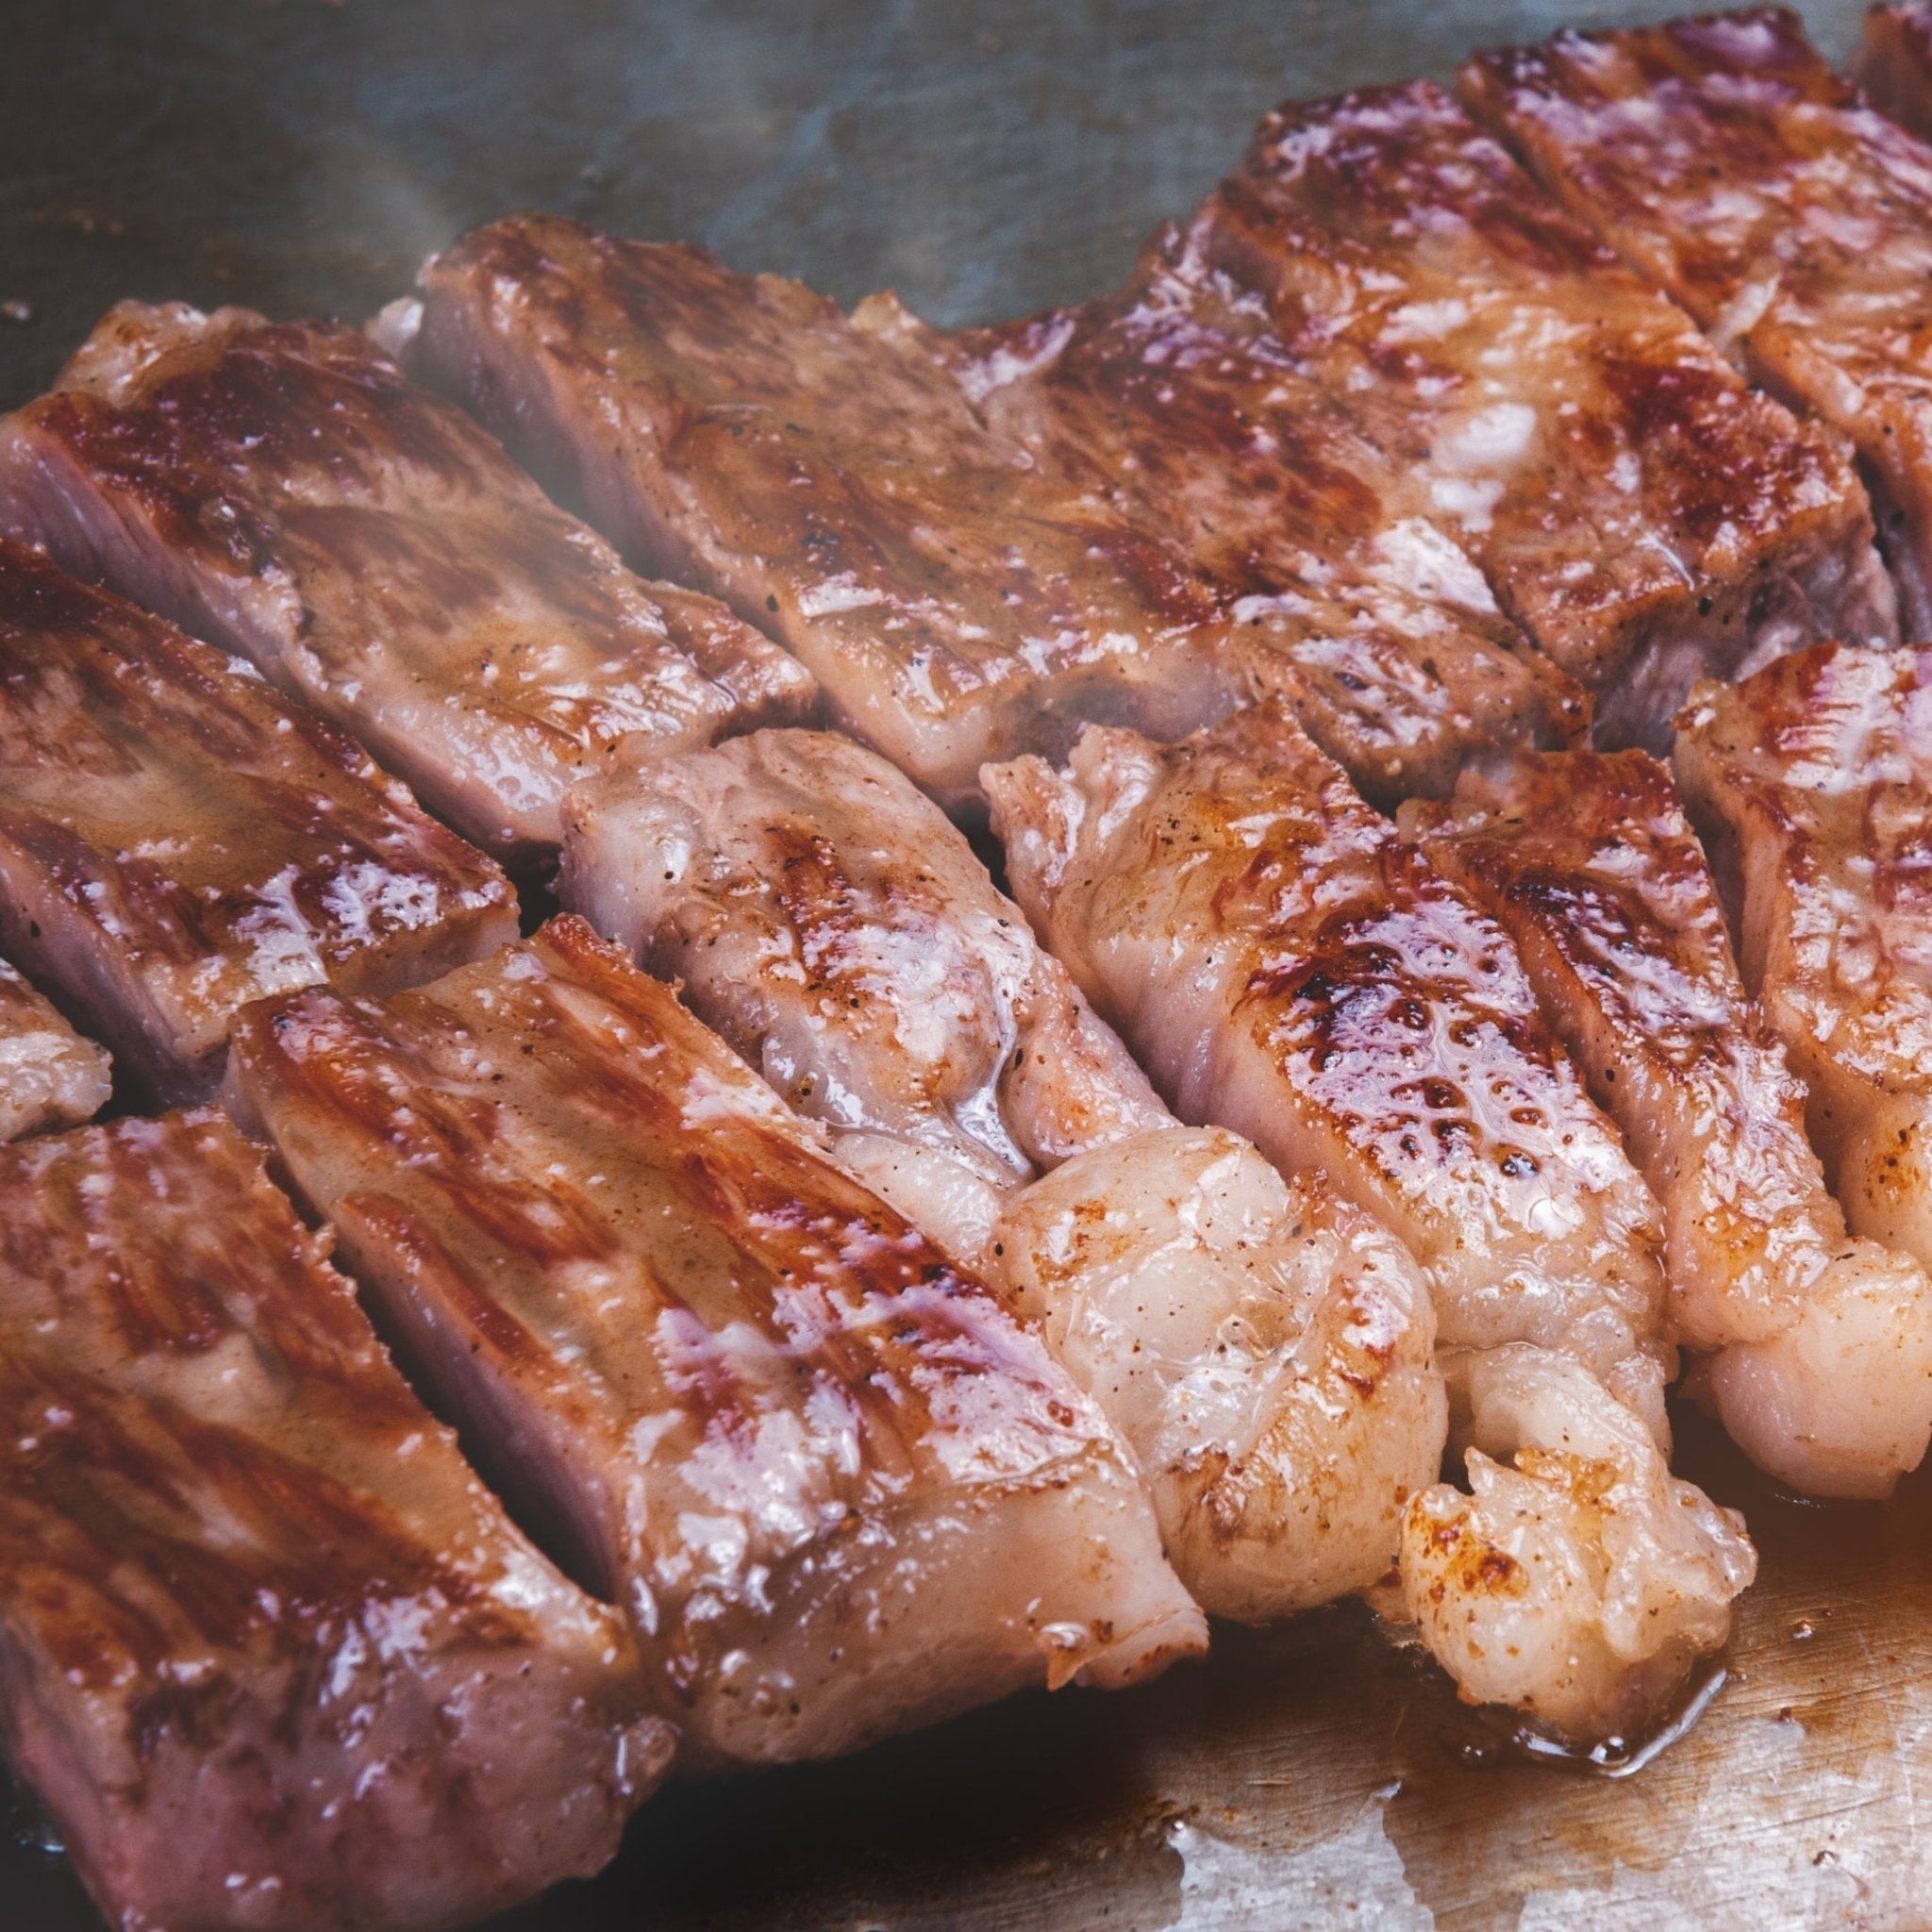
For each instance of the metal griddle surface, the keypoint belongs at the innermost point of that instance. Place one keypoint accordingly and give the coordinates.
(985, 160)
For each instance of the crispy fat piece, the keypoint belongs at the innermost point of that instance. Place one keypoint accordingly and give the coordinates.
(1265, 1348)
(1895, 63)
(177, 839)
(49, 1075)
(1820, 1345)
(273, 1656)
(1284, 964)
(1644, 517)
(1813, 784)
(1176, 402)
(1266, 1352)
(839, 1489)
(957, 600)
(279, 489)
(1725, 160)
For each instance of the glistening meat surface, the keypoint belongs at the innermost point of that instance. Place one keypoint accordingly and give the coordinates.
(958, 599)
(1812, 782)
(269, 1652)
(838, 1489)
(280, 489)
(49, 1076)
(826, 918)
(1819, 1345)
(1284, 964)
(1175, 401)
(1265, 1350)
(1725, 159)
(177, 839)
(1644, 517)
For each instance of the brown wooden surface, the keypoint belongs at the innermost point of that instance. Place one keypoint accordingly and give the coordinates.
(986, 159)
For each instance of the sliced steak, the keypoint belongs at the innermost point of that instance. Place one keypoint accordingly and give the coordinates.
(1284, 964)
(177, 840)
(49, 1075)
(279, 489)
(1819, 1346)
(839, 1489)
(1645, 517)
(1725, 159)
(1265, 1351)
(839, 933)
(1176, 402)
(1813, 785)
(270, 1653)
(958, 599)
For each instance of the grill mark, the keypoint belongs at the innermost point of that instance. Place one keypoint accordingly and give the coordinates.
(851, 1294)
(173, 744)
(106, 1508)
(409, 1242)
(300, 398)
(314, 1551)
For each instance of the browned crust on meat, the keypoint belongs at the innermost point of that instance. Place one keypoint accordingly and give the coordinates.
(1642, 514)
(1724, 159)
(176, 840)
(957, 600)
(226, 1515)
(1893, 63)
(282, 487)
(1174, 400)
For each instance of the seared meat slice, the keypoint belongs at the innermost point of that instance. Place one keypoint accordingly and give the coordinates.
(49, 1075)
(280, 489)
(1645, 516)
(272, 1656)
(1728, 163)
(839, 1489)
(1814, 783)
(957, 600)
(1283, 963)
(1894, 64)
(1264, 1347)
(833, 926)
(176, 840)
(1266, 1354)
(1820, 1345)
(1176, 402)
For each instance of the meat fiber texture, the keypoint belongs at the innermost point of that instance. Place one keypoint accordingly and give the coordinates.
(826, 918)
(1265, 1350)
(177, 839)
(958, 599)
(1640, 512)
(49, 1075)
(838, 1489)
(1285, 965)
(269, 1652)
(1812, 782)
(1177, 401)
(280, 489)
(1818, 1347)
(1725, 162)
